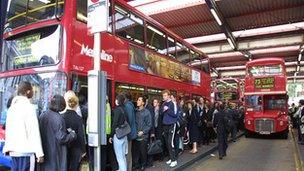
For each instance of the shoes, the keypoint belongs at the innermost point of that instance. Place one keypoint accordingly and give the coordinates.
(234, 140)
(221, 158)
(173, 164)
(168, 162)
(193, 152)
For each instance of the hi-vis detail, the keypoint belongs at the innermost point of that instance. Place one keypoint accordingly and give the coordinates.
(85, 50)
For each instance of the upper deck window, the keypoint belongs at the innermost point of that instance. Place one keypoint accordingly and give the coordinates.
(182, 54)
(33, 48)
(265, 70)
(22, 12)
(156, 40)
(171, 47)
(129, 25)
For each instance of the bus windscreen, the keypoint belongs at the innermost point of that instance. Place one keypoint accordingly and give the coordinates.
(34, 48)
(265, 70)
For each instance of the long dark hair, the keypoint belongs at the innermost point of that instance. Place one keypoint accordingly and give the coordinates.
(121, 99)
(57, 103)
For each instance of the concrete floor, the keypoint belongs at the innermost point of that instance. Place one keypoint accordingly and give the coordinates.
(252, 154)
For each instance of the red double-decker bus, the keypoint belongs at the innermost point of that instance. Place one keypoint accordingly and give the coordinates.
(228, 90)
(47, 43)
(266, 97)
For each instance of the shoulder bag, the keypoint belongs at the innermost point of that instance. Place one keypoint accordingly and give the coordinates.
(124, 129)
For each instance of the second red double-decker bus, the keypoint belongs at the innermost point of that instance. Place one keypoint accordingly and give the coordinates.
(266, 97)
(228, 90)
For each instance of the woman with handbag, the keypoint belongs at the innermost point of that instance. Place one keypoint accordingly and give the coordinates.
(194, 132)
(120, 130)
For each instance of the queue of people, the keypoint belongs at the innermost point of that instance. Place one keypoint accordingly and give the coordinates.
(58, 140)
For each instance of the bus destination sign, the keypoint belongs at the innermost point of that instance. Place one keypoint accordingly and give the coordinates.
(264, 83)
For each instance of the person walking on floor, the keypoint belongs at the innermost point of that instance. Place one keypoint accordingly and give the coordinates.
(221, 126)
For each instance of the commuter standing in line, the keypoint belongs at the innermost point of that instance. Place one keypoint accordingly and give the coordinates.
(120, 145)
(194, 132)
(23, 141)
(143, 126)
(76, 149)
(233, 115)
(220, 123)
(55, 136)
(169, 126)
(209, 125)
(298, 115)
(150, 108)
(182, 120)
(156, 107)
(130, 112)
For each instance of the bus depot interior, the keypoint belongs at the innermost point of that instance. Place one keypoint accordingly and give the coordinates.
(196, 49)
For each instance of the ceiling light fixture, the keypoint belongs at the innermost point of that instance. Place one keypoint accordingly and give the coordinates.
(215, 15)
(230, 43)
(298, 68)
(300, 57)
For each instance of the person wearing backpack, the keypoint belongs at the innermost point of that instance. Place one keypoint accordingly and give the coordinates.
(220, 123)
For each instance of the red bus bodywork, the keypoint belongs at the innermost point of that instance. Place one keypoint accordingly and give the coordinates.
(76, 51)
(266, 97)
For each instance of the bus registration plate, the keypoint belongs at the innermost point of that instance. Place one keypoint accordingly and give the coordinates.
(264, 132)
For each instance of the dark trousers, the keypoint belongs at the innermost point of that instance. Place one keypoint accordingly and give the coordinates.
(299, 132)
(74, 158)
(140, 153)
(222, 144)
(169, 132)
(23, 163)
(233, 132)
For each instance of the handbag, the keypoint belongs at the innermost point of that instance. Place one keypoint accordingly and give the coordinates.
(155, 147)
(124, 129)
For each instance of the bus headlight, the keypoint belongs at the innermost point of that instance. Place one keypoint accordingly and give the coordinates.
(249, 122)
(281, 123)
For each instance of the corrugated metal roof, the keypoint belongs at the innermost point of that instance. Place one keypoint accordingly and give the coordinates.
(239, 14)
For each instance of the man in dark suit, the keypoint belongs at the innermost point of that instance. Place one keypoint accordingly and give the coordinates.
(221, 126)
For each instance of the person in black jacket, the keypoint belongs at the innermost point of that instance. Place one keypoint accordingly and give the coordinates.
(194, 132)
(120, 145)
(143, 126)
(54, 136)
(76, 149)
(220, 123)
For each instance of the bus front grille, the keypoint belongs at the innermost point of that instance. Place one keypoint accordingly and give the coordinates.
(264, 126)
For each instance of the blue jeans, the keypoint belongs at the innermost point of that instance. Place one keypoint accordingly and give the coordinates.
(121, 149)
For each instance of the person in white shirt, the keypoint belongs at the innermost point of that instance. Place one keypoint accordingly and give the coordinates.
(23, 141)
